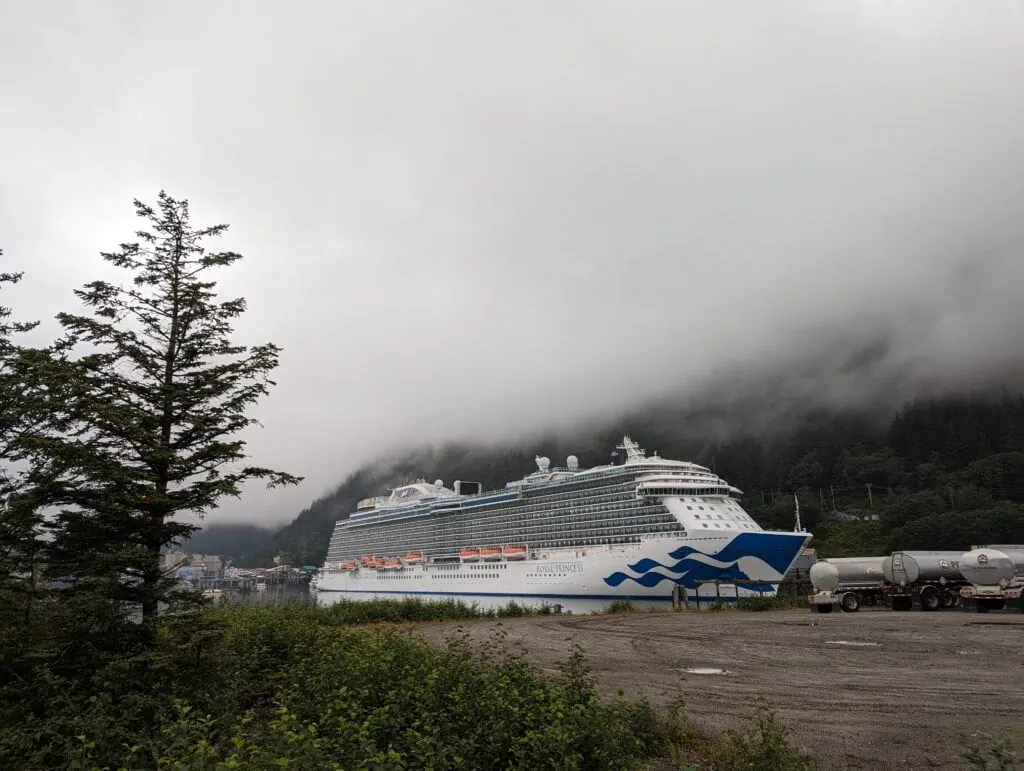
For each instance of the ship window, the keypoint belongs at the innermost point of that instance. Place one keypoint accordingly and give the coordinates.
(690, 508)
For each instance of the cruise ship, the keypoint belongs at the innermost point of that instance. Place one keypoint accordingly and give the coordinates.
(636, 528)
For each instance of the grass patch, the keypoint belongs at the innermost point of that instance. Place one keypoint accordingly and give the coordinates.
(350, 612)
(759, 604)
(762, 742)
(985, 752)
(622, 606)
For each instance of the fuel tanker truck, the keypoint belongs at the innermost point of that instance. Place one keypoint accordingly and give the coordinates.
(933, 578)
(996, 576)
(847, 582)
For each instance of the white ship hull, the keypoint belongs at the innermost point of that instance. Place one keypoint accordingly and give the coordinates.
(725, 565)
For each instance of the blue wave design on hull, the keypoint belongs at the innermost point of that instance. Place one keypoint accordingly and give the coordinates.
(776, 550)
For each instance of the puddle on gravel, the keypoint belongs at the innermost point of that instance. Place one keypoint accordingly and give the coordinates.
(706, 671)
(855, 643)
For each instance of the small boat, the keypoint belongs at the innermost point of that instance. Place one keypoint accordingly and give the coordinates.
(514, 552)
(413, 558)
(213, 594)
(470, 555)
(491, 553)
(392, 564)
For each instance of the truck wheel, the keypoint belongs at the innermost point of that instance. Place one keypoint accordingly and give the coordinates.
(929, 598)
(850, 602)
(947, 600)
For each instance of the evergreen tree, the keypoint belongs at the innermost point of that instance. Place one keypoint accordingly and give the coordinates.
(159, 395)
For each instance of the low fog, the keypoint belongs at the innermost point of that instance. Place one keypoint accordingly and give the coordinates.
(479, 220)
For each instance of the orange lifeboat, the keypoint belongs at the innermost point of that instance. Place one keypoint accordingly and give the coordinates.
(514, 552)
(470, 555)
(413, 558)
(350, 565)
(491, 553)
(392, 564)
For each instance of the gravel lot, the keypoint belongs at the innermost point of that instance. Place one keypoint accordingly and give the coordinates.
(898, 699)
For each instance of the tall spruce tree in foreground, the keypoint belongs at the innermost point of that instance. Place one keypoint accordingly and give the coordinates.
(160, 393)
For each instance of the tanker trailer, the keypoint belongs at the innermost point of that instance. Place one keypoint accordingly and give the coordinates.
(933, 577)
(846, 582)
(1014, 551)
(996, 576)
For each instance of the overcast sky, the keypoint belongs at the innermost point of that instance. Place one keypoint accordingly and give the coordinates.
(469, 219)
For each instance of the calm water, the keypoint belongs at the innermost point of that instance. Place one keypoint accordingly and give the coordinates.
(287, 594)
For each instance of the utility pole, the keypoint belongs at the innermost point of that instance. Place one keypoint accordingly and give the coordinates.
(871, 503)
(821, 498)
(832, 492)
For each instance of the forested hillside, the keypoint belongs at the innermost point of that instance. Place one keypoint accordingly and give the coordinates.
(942, 473)
(228, 540)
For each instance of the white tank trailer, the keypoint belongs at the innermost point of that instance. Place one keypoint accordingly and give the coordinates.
(994, 575)
(1014, 551)
(931, 577)
(847, 582)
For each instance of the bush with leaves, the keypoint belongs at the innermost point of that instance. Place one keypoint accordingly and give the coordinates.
(984, 752)
(264, 687)
(764, 743)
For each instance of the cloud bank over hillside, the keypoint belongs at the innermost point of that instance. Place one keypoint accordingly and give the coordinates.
(475, 221)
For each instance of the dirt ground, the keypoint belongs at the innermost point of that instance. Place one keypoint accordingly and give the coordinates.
(899, 702)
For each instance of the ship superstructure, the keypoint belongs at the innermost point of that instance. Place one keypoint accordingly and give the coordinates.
(634, 527)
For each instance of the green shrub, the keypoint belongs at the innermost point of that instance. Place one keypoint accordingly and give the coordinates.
(984, 752)
(762, 744)
(622, 606)
(266, 687)
(771, 603)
